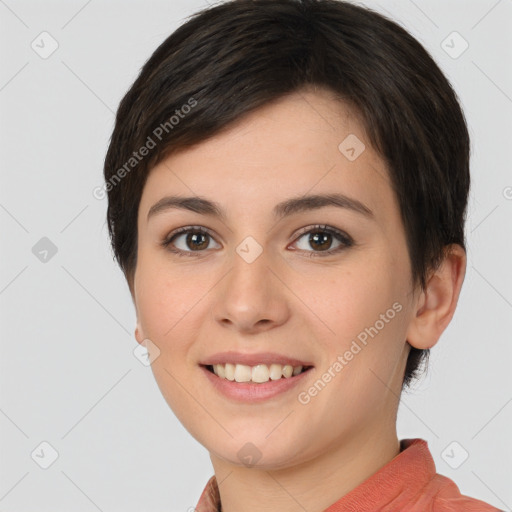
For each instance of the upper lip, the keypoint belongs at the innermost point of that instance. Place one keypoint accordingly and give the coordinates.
(252, 359)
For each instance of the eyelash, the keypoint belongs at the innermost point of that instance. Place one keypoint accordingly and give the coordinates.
(345, 240)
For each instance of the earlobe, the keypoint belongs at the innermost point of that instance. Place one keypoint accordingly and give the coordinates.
(138, 333)
(436, 305)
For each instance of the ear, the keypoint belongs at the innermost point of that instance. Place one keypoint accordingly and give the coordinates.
(436, 305)
(139, 335)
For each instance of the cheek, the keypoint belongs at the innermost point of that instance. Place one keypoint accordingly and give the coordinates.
(364, 354)
(355, 300)
(164, 306)
(366, 313)
(162, 301)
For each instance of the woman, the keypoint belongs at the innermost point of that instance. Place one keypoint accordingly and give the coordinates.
(287, 185)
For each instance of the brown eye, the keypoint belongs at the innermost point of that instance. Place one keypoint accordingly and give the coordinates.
(197, 241)
(321, 239)
(185, 241)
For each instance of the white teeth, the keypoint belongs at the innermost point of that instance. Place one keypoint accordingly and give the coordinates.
(242, 373)
(229, 370)
(259, 373)
(276, 371)
(219, 370)
(287, 370)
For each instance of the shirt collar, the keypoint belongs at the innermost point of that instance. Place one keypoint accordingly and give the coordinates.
(397, 483)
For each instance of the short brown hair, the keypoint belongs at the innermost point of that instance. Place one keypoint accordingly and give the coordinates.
(235, 57)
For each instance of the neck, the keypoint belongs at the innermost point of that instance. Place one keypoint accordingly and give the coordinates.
(312, 485)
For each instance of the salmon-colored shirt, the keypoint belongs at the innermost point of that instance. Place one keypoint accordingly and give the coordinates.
(407, 483)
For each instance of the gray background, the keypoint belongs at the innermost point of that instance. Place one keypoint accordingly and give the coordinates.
(68, 374)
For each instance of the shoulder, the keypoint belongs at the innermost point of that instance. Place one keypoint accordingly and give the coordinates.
(442, 495)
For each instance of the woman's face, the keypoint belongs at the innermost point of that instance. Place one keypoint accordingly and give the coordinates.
(266, 279)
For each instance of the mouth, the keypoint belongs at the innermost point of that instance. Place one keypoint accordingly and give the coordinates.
(255, 384)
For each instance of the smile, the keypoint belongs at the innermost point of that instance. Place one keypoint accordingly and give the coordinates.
(248, 391)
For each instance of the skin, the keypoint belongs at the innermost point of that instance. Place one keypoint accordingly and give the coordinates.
(311, 308)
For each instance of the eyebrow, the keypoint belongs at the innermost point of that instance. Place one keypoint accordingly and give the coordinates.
(286, 208)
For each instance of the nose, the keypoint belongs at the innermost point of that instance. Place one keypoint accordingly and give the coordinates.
(252, 297)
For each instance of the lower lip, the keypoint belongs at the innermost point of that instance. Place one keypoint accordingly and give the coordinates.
(252, 393)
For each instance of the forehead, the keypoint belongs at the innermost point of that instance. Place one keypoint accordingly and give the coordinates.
(305, 143)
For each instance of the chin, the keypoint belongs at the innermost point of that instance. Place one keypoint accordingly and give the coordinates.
(258, 452)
